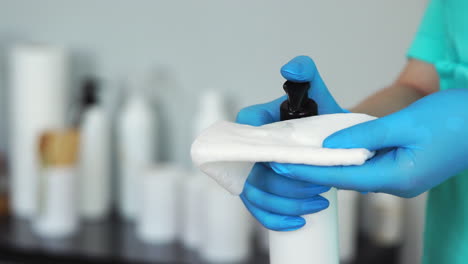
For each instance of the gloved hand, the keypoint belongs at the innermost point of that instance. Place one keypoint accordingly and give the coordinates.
(418, 148)
(299, 69)
(277, 201)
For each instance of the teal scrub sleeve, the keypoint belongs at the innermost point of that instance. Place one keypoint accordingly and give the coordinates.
(431, 42)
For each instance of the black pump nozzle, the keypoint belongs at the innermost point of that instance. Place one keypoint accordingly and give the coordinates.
(86, 98)
(90, 90)
(298, 104)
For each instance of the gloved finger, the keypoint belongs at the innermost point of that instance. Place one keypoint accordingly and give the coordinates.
(385, 132)
(274, 221)
(303, 69)
(261, 114)
(282, 205)
(265, 179)
(377, 174)
(299, 69)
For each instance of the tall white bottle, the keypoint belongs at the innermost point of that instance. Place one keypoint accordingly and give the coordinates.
(210, 110)
(317, 241)
(217, 223)
(94, 161)
(38, 89)
(137, 144)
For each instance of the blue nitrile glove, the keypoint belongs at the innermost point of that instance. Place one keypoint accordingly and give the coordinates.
(419, 147)
(277, 201)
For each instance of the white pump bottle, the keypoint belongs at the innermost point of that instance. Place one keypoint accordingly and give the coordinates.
(94, 159)
(137, 144)
(211, 109)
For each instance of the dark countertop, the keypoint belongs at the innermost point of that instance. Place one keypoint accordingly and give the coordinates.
(114, 241)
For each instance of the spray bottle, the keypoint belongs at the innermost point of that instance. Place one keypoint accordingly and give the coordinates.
(317, 241)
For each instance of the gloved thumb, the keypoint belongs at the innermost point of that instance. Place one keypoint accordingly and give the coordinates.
(372, 135)
(261, 114)
(303, 69)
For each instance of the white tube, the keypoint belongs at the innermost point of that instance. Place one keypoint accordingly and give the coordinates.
(38, 88)
(227, 238)
(58, 213)
(316, 242)
(137, 139)
(94, 180)
(157, 220)
(347, 220)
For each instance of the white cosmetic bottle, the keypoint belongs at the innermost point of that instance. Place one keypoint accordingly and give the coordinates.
(57, 214)
(317, 241)
(211, 109)
(94, 161)
(137, 144)
(217, 224)
(158, 217)
(38, 88)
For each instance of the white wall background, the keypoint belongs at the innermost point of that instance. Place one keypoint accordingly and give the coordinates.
(234, 46)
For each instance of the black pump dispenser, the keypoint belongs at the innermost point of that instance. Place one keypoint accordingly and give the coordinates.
(298, 104)
(90, 90)
(87, 98)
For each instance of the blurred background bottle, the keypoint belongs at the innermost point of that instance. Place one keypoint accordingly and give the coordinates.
(137, 141)
(94, 162)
